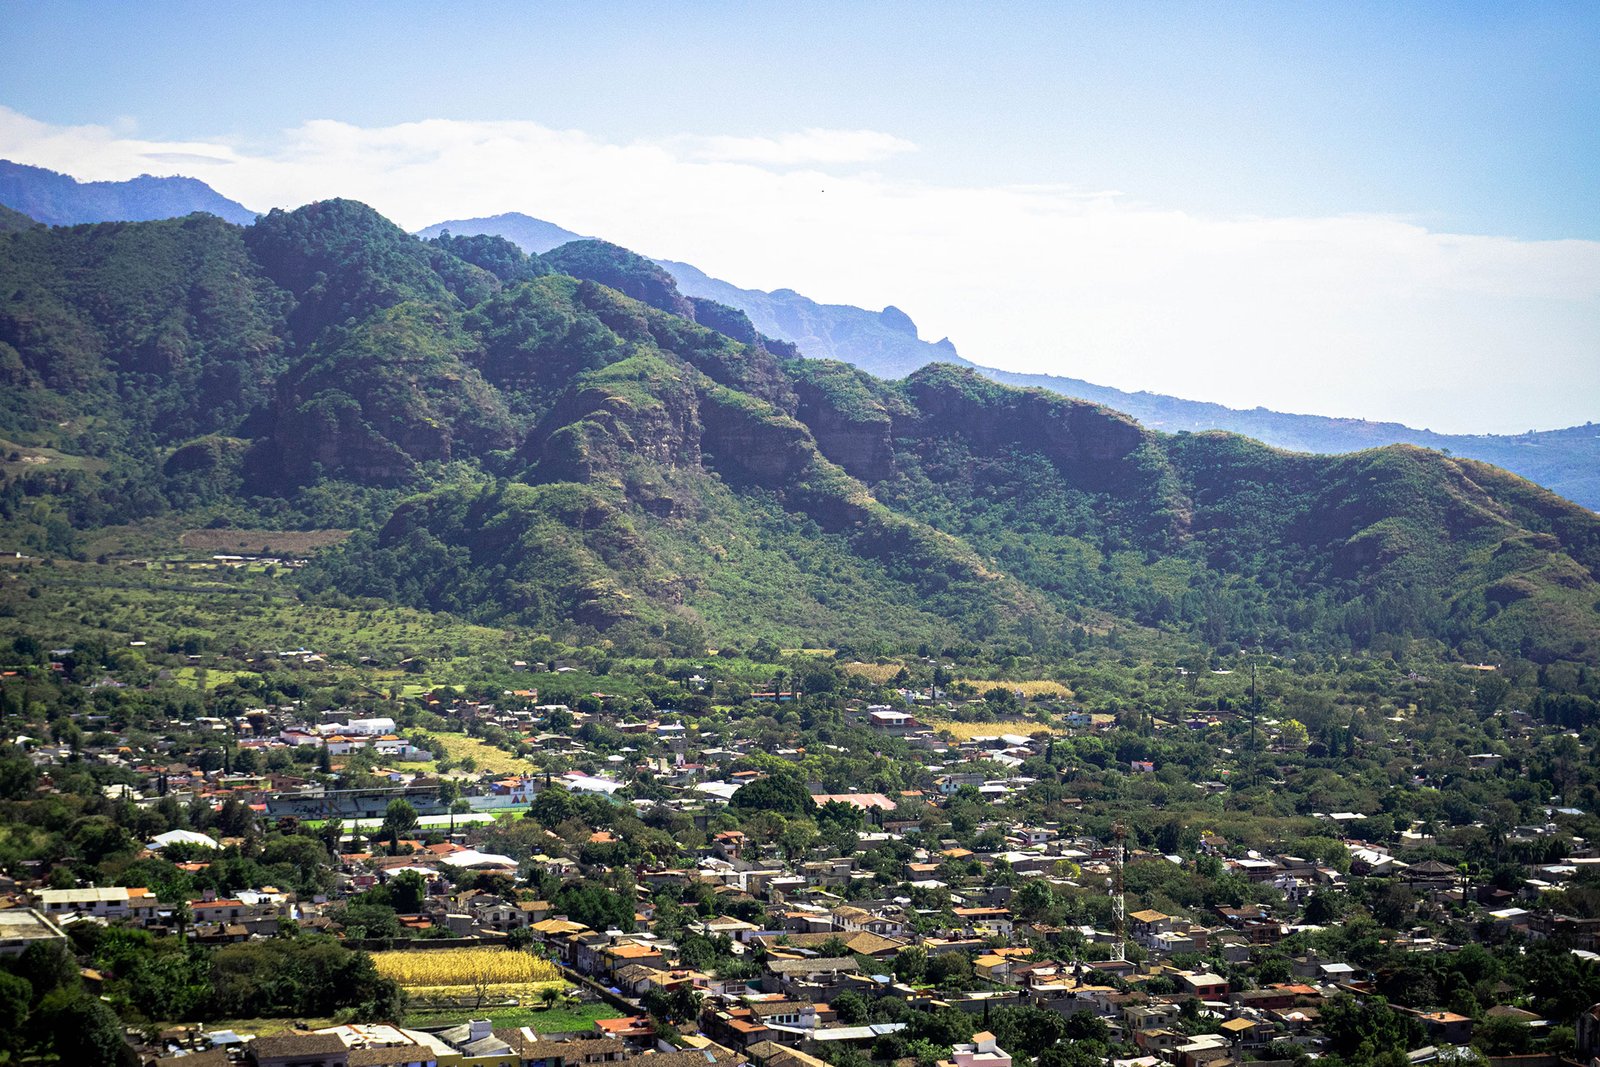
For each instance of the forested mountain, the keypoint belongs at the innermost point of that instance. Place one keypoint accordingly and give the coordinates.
(886, 344)
(59, 200)
(11, 220)
(883, 343)
(571, 444)
(1566, 461)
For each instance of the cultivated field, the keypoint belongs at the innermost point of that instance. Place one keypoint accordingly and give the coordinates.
(1031, 690)
(876, 673)
(965, 731)
(459, 972)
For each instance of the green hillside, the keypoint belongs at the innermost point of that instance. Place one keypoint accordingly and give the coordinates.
(519, 441)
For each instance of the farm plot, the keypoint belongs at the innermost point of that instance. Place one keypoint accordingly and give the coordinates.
(484, 973)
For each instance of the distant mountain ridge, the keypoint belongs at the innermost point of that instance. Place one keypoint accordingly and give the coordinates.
(60, 200)
(884, 343)
(533, 236)
(1565, 461)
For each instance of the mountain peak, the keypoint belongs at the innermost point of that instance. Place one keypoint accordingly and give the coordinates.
(898, 320)
(533, 236)
(61, 200)
(623, 270)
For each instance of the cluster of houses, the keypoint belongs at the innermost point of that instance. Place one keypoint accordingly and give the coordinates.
(828, 923)
(626, 1042)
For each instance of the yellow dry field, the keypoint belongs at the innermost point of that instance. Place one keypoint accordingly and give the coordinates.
(966, 731)
(876, 673)
(486, 756)
(466, 971)
(1031, 690)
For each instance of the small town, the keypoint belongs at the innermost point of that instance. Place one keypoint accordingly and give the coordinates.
(609, 879)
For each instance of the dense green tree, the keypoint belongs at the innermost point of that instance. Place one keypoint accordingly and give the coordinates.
(399, 818)
(784, 794)
(1359, 1030)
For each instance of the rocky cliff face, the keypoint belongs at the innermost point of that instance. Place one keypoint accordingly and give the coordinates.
(1090, 444)
(861, 444)
(600, 430)
(331, 437)
(379, 399)
(751, 443)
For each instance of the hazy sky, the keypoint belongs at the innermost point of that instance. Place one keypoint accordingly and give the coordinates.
(1387, 211)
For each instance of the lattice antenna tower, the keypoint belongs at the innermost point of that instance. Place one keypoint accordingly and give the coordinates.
(1119, 900)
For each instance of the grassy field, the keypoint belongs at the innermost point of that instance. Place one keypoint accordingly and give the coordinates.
(965, 731)
(190, 676)
(876, 673)
(1031, 690)
(260, 542)
(37, 457)
(558, 1020)
(488, 758)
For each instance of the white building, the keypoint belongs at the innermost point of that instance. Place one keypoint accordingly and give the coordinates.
(982, 1052)
(21, 927)
(112, 902)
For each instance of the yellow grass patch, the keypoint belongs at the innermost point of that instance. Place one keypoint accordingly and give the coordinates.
(876, 673)
(446, 971)
(1031, 690)
(966, 731)
(486, 757)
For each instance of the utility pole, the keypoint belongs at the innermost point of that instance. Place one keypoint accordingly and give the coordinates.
(1255, 713)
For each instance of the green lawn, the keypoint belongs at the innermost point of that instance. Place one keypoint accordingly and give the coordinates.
(258, 1027)
(544, 1021)
(189, 676)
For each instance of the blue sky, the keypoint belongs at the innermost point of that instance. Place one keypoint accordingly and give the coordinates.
(1218, 121)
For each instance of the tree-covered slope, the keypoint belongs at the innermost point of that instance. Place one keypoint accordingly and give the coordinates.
(162, 328)
(567, 442)
(12, 220)
(886, 343)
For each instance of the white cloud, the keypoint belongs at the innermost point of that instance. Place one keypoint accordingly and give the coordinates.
(1363, 316)
(808, 147)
